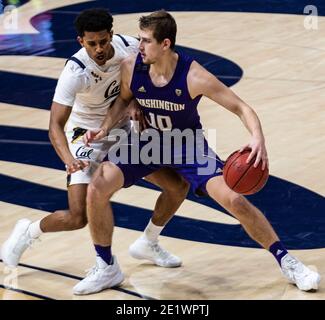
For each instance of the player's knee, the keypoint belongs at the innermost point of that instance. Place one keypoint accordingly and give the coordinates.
(184, 188)
(96, 187)
(79, 222)
(76, 218)
(238, 203)
(178, 190)
(240, 207)
(94, 191)
(103, 183)
(98, 191)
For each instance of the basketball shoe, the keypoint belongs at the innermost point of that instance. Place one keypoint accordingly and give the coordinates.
(18, 241)
(296, 272)
(100, 277)
(152, 251)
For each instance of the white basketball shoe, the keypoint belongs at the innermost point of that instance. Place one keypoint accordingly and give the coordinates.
(296, 272)
(100, 277)
(18, 241)
(152, 251)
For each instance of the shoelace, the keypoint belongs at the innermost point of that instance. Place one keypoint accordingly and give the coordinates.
(92, 271)
(293, 263)
(294, 266)
(159, 250)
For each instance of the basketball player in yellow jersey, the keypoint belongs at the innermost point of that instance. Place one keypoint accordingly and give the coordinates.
(87, 87)
(164, 72)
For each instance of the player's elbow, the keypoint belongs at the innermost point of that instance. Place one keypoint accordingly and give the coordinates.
(184, 188)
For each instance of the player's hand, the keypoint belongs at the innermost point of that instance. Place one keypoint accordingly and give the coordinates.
(93, 135)
(258, 149)
(76, 165)
(137, 116)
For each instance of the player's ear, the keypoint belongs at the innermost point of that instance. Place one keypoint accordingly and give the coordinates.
(80, 40)
(166, 44)
(111, 34)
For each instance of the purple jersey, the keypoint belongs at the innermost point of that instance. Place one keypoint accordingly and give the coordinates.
(168, 107)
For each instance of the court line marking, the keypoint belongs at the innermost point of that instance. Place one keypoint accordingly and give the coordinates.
(12, 141)
(71, 276)
(28, 293)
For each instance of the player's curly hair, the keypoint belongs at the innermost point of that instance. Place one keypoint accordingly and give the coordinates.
(162, 24)
(93, 20)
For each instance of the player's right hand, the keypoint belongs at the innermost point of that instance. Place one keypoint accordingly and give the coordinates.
(258, 149)
(137, 116)
(76, 165)
(93, 135)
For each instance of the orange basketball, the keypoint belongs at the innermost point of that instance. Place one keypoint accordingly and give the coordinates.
(242, 177)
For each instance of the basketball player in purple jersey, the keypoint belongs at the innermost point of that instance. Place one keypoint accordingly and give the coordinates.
(168, 85)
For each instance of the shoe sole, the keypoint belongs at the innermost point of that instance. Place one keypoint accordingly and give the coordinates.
(118, 280)
(140, 257)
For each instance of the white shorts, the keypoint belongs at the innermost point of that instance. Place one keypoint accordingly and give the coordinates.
(94, 154)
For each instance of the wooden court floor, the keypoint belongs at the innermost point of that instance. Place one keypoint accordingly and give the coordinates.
(283, 78)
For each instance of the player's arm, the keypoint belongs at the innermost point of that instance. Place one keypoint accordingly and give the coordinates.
(200, 81)
(58, 118)
(119, 109)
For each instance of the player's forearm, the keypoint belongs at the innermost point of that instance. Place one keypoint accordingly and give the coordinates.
(60, 144)
(251, 121)
(115, 114)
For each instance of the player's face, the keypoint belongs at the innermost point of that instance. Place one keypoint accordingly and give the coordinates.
(98, 45)
(149, 48)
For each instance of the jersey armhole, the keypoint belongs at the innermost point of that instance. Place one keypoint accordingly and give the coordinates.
(133, 71)
(77, 61)
(123, 40)
(188, 82)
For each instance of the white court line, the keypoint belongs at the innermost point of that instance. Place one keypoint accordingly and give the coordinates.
(10, 141)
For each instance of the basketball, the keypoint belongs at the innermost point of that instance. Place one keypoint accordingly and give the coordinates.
(242, 177)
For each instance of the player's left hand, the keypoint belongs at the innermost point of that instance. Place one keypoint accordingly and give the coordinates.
(257, 147)
(93, 135)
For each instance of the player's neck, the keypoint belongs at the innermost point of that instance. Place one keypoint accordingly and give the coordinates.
(111, 53)
(165, 66)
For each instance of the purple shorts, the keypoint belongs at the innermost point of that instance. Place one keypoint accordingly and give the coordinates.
(197, 170)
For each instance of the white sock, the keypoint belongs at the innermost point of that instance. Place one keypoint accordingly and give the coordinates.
(152, 231)
(34, 229)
